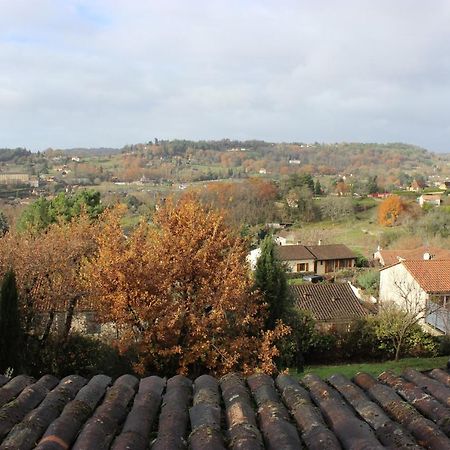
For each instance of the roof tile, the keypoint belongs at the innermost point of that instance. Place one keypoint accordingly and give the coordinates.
(432, 275)
(366, 413)
(328, 301)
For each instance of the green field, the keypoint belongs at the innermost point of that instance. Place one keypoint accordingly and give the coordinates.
(349, 370)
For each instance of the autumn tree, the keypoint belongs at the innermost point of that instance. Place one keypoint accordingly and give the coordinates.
(390, 210)
(47, 268)
(180, 293)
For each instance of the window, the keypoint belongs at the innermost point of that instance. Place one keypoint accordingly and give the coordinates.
(303, 267)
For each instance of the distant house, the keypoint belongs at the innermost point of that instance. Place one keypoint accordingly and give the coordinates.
(389, 257)
(332, 257)
(444, 185)
(421, 287)
(416, 186)
(332, 305)
(296, 257)
(320, 259)
(430, 199)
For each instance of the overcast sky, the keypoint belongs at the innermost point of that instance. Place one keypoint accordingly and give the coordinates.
(110, 72)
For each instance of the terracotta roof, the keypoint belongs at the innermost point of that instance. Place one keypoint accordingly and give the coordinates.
(331, 251)
(293, 252)
(392, 256)
(409, 411)
(431, 196)
(328, 302)
(433, 275)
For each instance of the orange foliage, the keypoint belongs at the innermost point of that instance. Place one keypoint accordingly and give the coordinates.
(390, 210)
(47, 266)
(180, 293)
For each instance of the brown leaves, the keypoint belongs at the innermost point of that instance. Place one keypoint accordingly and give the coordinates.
(181, 292)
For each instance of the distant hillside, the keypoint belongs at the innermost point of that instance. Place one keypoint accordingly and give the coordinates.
(96, 151)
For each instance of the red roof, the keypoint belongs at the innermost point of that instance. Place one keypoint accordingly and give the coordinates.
(394, 256)
(432, 275)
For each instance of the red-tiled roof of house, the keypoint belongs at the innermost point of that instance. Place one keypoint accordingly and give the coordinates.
(432, 275)
(293, 253)
(329, 302)
(432, 197)
(331, 251)
(393, 256)
(409, 411)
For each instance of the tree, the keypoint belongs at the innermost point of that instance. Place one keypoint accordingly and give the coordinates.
(4, 226)
(180, 293)
(395, 322)
(372, 185)
(47, 268)
(270, 280)
(336, 208)
(64, 207)
(318, 188)
(390, 210)
(10, 331)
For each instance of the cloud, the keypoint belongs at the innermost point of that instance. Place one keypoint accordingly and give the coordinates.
(111, 72)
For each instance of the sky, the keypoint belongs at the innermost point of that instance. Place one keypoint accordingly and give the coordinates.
(91, 73)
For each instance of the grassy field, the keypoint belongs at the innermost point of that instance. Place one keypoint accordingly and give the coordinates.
(349, 370)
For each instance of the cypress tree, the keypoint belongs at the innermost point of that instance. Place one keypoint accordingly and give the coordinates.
(10, 331)
(270, 279)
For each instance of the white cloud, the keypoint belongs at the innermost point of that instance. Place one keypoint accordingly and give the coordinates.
(111, 72)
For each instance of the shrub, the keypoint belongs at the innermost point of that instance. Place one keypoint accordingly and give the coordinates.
(369, 281)
(78, 355)
(293, 346)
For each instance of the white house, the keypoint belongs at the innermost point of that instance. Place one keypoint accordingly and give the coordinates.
(421, 287)
(430, 199)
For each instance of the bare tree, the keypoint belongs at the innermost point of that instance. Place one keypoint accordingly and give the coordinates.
(396, 320)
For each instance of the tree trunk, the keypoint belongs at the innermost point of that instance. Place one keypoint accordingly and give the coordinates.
(51, 318)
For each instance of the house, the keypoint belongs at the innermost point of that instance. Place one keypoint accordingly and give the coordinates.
(421, 287)
(332, 305)
(416, 185)
(320, 259)
(219, 413)
(444, 185)
(430, 199)
(297, 258)
(389, 257)
(332, 257)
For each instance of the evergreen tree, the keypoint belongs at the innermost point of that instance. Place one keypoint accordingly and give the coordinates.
(270, 279)
(10, 331)
(318, 188)
(4, 226)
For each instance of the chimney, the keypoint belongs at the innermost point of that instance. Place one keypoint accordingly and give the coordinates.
(320, 242)
(427, 256)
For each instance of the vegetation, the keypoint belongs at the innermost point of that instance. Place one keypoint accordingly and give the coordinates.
(180, 293)
(10, 330)
(390, 210)
(270, 280)
(349, 370)
(174, 279)
(40, 214)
